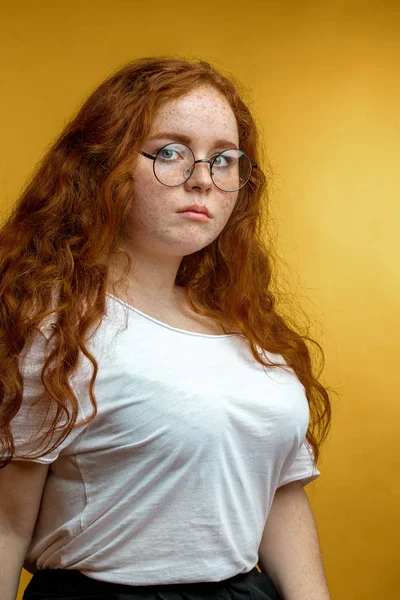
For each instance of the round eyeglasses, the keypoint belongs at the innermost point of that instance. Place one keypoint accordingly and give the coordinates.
(174, 164)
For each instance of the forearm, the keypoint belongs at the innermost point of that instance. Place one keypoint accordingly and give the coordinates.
(12, 552)
(289, 551)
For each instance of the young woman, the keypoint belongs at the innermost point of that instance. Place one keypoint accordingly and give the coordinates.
(159, 418)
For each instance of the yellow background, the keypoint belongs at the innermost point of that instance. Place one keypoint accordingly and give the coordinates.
(324, 78)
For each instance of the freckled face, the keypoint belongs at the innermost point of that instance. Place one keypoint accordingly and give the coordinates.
(204, 116)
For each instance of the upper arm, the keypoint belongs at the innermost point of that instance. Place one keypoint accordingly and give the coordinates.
(21, 489)
(292, 485)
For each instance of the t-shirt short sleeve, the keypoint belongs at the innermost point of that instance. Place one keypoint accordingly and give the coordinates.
(35, 415)
(301, 468)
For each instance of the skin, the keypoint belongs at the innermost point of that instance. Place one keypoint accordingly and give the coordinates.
(162, 237)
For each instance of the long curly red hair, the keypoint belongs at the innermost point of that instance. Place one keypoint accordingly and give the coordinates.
(73, 216)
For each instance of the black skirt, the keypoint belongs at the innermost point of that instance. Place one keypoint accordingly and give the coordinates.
(67, 584)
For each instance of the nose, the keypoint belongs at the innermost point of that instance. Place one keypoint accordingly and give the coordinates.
(201, 176)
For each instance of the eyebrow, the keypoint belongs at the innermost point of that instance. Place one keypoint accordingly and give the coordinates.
(179, 137)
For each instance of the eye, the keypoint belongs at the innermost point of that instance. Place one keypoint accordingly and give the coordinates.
(222, 160)
(168, 154)
(165, 153)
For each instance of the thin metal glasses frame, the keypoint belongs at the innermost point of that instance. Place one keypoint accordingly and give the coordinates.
(206, 160)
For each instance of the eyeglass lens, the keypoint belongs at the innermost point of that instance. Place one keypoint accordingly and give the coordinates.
(174, 165)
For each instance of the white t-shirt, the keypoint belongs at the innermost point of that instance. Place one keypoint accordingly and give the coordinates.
(173, 480)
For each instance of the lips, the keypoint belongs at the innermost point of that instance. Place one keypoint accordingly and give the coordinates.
(196, 208)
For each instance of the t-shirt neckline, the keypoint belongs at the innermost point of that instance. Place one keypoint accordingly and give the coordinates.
(136, 310)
